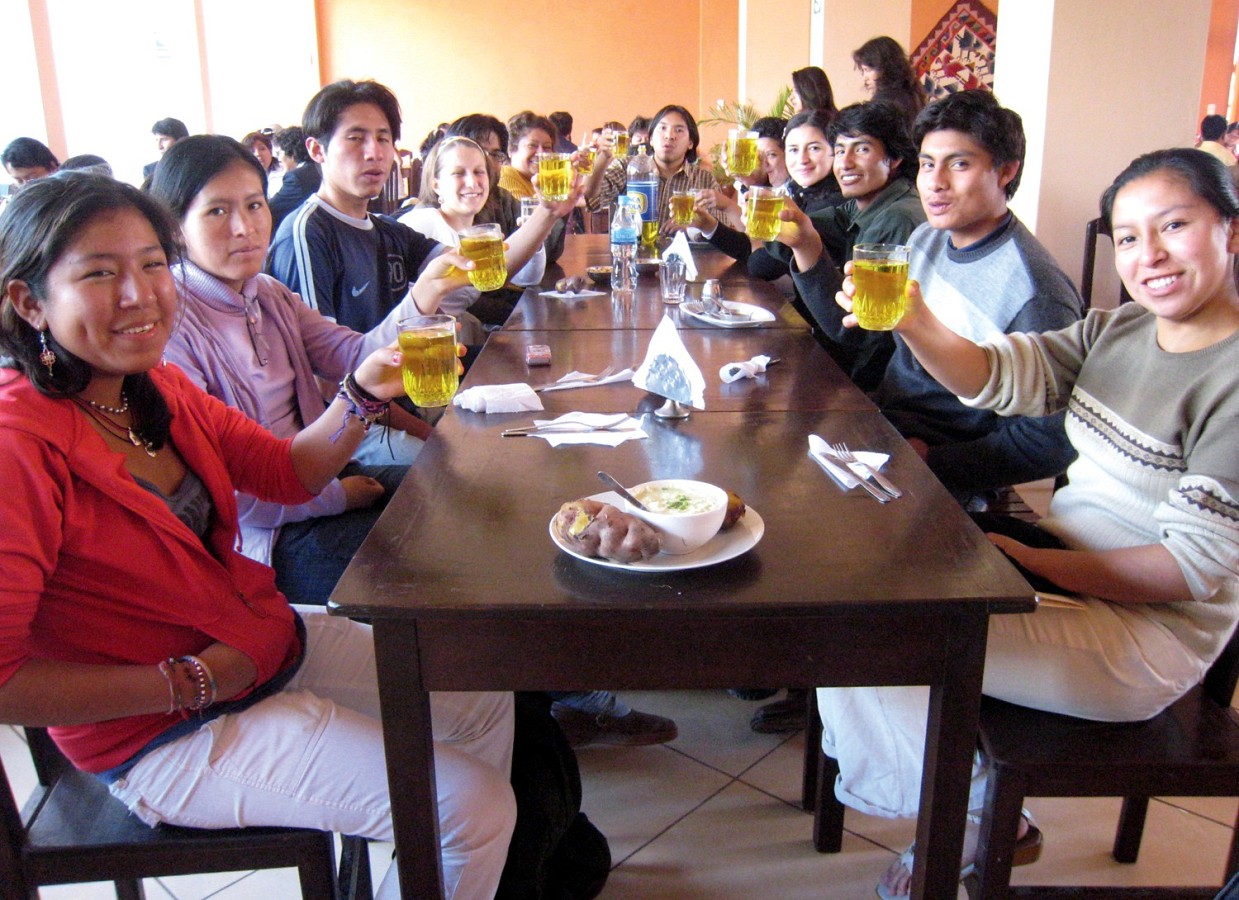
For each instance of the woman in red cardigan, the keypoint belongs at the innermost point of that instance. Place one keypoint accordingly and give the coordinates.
(162, 659)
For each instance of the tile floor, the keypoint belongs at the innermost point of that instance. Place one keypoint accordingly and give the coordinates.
(715, 816)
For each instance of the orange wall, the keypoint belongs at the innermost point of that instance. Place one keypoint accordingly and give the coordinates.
(1219, 58)
(597, 61)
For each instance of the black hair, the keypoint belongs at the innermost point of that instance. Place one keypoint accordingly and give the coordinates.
(476, 126)
(639, 123)
(322, 114)
(188, 165)
(770, 127)
(27, 153)
(1206, 176)
(813, 118)
(562, 122)
(979, 115)
(526, 121)
(291, 140)
(432, 138)
(694, 136)
(38, 226)
(87, 161)
(173, 128)
(885, 122)
(814, 89)
(1212, 127)
(885, 56)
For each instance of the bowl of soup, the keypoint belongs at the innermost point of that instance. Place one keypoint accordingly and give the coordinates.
(600, 275)
(686, 513)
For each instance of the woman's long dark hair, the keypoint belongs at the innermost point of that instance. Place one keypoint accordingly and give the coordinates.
(814, 89)
(40, 223)
(187, 166)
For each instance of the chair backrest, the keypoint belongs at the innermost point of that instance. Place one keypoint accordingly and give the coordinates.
(1092, 230)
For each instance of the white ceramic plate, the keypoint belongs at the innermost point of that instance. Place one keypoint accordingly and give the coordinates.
(757, 315)
(723, 546)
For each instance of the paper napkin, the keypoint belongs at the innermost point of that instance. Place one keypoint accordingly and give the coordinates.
(576, 380)
(669, 370)
(498, 398)
(629, 429)
(737, 370)
(679, 246)
(819, 448)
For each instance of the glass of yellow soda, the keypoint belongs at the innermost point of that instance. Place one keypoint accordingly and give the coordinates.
(585, 160)
(880, 273)
(762, 206)
(555, 176)
(621, 143)
(741, 157)
(682, 203)
(484, 245)
(428, 359)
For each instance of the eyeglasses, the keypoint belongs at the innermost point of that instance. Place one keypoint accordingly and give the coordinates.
(497, 155)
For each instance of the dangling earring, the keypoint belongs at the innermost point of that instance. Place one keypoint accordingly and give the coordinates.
(47, 355)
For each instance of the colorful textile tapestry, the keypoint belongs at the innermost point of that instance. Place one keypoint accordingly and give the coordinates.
(958, 55)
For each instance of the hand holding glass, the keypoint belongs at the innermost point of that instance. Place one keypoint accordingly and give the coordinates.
(880, 274)
(428, 359)
(682, 203)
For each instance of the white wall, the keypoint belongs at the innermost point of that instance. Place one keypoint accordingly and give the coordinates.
(1120, 78)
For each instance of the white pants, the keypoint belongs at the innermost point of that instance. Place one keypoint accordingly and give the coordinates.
(312, 756)
(1105, 662)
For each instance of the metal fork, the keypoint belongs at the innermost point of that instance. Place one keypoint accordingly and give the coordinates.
(856, 464)
(569, 427)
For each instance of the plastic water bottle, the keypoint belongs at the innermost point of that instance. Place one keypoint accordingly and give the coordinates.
(643, 184)
(625, 232)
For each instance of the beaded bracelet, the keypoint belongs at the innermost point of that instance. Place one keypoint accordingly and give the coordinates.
(204, 683)
(359, 404)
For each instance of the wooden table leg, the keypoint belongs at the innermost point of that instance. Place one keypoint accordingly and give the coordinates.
(409, 746)
(950, 742)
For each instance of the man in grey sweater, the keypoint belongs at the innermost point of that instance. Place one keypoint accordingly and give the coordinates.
(983, 273)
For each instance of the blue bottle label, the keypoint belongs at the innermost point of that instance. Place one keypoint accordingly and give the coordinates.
(646, 193)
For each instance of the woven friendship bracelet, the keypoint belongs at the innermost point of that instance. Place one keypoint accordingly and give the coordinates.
(359, 404)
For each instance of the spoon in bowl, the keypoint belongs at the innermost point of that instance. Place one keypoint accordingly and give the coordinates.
(621, 490)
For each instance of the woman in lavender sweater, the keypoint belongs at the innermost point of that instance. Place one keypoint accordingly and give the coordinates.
(246, 339)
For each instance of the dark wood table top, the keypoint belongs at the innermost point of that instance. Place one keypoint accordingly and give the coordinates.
(467, 533)
(534, 312)
(804, 378)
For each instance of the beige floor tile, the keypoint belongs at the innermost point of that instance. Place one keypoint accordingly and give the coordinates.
(1179, 848)
(745, 844)
(714, 726)
(633, 794)
(1220, 809)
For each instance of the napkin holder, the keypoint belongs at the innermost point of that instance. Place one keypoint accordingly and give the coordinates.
(673, 409)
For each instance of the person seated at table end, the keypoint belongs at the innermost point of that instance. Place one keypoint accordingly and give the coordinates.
(161, 659)
(1146, 531)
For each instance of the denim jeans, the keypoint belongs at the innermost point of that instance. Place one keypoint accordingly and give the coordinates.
(312, 757)
(310, 556)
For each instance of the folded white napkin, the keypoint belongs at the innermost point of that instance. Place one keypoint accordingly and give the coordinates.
(629, 429)
(564, 295)
(737, 370)
(498, 398)
(679, 246)
(818, 449)
(575, 380)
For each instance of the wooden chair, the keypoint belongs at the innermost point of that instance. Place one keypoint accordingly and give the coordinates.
(72, 830)
(1190, 749)
(1094, 229)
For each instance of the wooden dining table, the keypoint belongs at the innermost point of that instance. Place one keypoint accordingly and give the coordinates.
(467, 590)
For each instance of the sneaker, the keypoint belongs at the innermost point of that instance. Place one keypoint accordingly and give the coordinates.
(781, 716)
(635, 729)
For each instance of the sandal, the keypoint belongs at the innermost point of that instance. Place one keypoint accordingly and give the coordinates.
(1027, 851)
